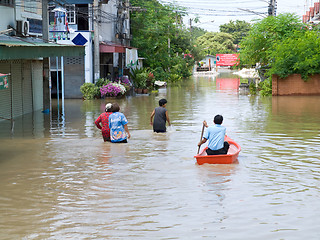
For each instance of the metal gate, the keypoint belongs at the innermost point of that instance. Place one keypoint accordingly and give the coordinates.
(18, 98)
(5, 94)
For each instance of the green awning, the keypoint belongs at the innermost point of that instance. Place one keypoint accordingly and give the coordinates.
(30, 48)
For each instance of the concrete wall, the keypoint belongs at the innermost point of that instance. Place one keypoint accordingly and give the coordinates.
(107, 26)
(294, 85)
(7, 17)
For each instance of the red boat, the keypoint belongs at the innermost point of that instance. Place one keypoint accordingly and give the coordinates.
(228, 158)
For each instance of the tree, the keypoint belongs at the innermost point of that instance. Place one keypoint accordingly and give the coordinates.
(160, 37)
(213, 43)
(259, 44)
(298, 54)
(238, 29)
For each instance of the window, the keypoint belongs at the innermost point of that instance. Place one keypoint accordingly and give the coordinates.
(7, 2)
(71, 14)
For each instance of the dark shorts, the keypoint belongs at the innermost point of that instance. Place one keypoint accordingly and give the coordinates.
(159, 131)
(123, 141)
(221, 151)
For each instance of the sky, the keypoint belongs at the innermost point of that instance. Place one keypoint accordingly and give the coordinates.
(213, 13)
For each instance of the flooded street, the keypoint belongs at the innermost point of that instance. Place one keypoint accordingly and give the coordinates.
(59, 180)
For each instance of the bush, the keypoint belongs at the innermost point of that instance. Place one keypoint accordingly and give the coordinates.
(160, 74)
(266, 87)
(101, 82)
(175, 78)
(89, 91)
(141, 80)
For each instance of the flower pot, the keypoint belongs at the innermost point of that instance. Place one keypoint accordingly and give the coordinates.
(138, 90)
(145, 91)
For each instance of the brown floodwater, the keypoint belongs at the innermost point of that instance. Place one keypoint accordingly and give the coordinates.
(59, 180)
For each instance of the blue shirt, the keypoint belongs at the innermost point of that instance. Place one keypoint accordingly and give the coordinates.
(215, 136)
(116, 122)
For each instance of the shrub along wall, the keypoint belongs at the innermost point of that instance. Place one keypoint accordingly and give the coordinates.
(295, 85)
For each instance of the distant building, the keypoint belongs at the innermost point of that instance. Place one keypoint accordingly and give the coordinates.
(73, 23)
(207, 64)
(312, 15)
(21, 58)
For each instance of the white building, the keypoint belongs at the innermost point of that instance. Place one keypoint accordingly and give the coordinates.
(75, 20)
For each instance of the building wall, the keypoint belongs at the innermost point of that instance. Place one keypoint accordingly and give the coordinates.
(107, 25)
(294, 85)
(7, 17)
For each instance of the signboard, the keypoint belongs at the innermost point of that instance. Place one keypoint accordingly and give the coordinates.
(227, 59)
(4, 82)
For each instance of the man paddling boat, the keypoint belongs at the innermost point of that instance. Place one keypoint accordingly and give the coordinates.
(215, 134)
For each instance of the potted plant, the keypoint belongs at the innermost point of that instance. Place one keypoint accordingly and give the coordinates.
(112, 90)
(141, 81)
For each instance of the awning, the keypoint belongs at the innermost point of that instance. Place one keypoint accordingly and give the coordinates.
(62, 2)
(30, 48)
(112, 48)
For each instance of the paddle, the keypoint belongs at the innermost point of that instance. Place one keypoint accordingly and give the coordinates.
(201, 136)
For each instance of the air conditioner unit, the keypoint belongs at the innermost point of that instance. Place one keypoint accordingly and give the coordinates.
(22, 27)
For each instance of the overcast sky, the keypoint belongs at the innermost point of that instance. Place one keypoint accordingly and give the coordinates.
(213, 13)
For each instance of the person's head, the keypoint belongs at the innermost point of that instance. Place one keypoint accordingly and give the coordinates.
(218, 119)
(115, 107)
(162, 102)
(108, 107)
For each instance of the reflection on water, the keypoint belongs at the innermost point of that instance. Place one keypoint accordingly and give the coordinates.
(228, 83)
(59, 180)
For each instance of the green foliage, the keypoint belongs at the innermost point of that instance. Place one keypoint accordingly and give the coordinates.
(215, 43)
(197, 32)
(89, 91)
(101, 82)
(299, 54)
(174, 78)
(266, 87)
(160, 37)
(259, 44)
(252, 88)
(141, 80)
(160, 74)
(283, 46)
(238, 29)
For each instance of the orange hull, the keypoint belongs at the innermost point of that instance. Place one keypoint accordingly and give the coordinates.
(228, 158)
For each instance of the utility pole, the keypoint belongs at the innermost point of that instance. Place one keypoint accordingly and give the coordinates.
(128, 17)
(96, 40)
(272, 8)
(46, 61)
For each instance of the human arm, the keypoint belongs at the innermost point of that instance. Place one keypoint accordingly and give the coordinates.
(127, 130)
(151, 117)
(167, 117)
(202, 141)
(97, 122)
(205, 123)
